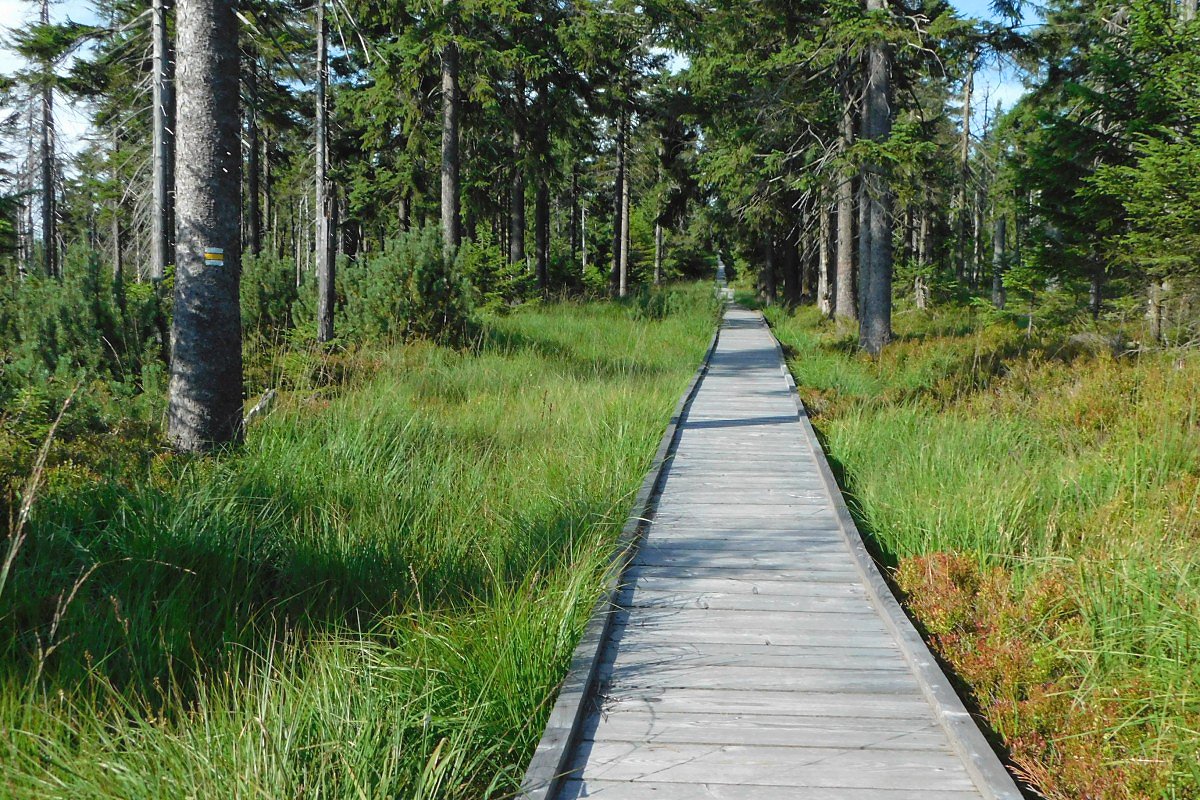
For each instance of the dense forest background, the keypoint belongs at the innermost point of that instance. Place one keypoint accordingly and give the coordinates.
(420, 171)
(606, 145)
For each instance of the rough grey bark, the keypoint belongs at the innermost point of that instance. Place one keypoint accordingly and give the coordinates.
(769, 289)
(574, 226)
(583, 251)
(626, 190)
(451, 109)
(977, 260)
(1096, 292)
(921, 291)
(205, 399)
(516, 220)
(619, 207)
(253, 165)
(999, 242)
(162, 156)
(118, 235)
(49, 199)
(826, 276)
(1156, 309)
(323, 206)
(964, 176)
(541, 234)
(794, 288)
(875, 229)
(1187, 10)
(845, 302)
(658, 252)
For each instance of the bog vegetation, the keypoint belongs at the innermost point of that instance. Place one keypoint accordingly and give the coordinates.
(379, 593)
(388, 216)
(1038, 499)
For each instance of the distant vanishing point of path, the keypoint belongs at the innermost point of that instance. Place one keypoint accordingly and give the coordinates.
(754, 651)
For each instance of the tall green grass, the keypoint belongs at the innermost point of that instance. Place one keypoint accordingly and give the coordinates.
(376, 597)
(1041, 500)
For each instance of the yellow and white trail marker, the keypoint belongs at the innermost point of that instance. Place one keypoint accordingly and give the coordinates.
(214, 256)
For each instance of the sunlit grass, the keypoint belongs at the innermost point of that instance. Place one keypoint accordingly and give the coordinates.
(375, 598)
(1070, 484)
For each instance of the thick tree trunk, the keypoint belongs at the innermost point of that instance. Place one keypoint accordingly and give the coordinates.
(623, 288)
(999, 240)
(826, 277)
(118, 236)
(323, 205)
(875, 232)
(49, 198)
(1156, 309)
(451, 216)
(253, 168)
(574, 227)
(921, 290)
(618, 208)
(583, 248)
(162, 157)
(205, 403)
(516, 218)
(1187, 10)
(770, 287)
(541, 234)
(964, 176)
(977, 260)
(845, 301)
(658, 252)
(793, 277)
(269, 212)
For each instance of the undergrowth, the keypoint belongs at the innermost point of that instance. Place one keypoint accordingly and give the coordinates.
(375, 597)
(1039, 499)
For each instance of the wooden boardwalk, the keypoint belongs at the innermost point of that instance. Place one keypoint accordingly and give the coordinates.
(751, 654)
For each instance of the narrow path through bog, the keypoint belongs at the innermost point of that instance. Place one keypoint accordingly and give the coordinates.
(748, 657)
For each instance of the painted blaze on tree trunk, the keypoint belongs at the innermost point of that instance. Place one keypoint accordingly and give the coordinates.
(205, 403)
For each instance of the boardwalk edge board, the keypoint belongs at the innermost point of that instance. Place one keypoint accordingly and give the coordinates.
(968, 741)
(549, 767)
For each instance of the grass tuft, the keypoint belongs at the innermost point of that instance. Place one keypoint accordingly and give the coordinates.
(376, 597)
(1039, 501)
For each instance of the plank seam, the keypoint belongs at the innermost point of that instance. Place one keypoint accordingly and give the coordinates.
(549, 767)
(983, 765)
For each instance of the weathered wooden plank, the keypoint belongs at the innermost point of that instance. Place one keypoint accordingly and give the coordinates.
(727, 541)
(764, 729)
(798, 704)
(685, 675)
(783, 510)
(663, 556)
(624, 790)
(745, 601)
(798, 575)
(772, 766)
(668, 654)
(732, 582)
(758, 635)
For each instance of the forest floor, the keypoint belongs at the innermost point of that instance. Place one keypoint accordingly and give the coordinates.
(1037, 500)
(375, 597)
